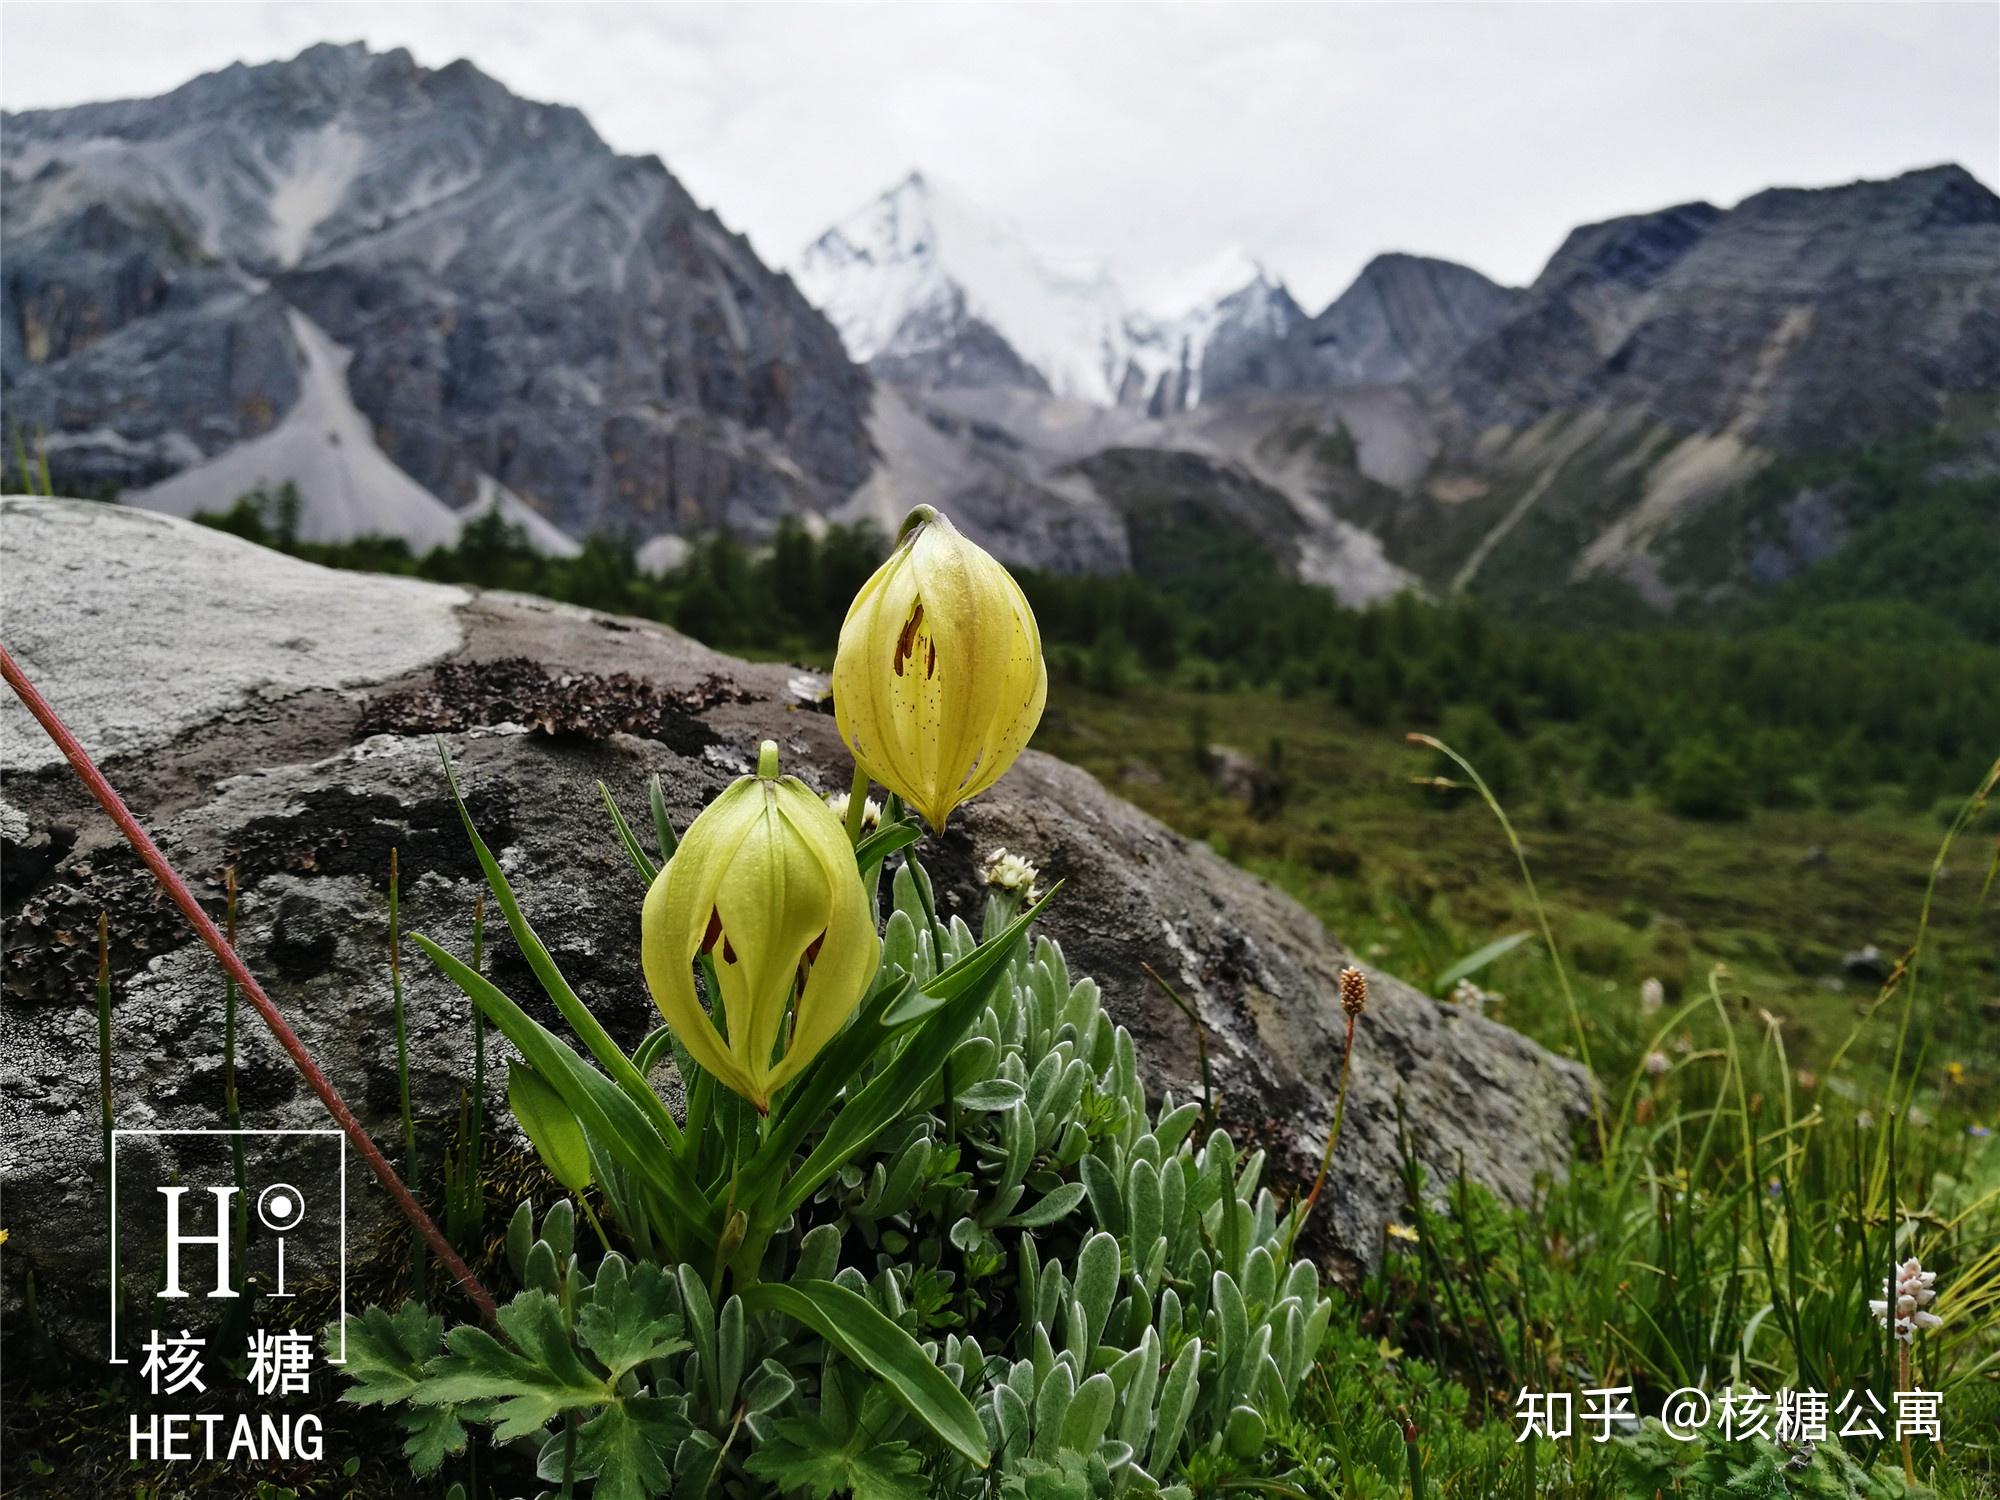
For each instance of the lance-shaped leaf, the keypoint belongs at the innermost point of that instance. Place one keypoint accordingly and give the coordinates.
(608, 1116)
(610, 1056)
(860, 1330)
(550, 1127)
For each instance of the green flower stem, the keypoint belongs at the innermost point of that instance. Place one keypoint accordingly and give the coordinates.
(1332, 1140)
(417, 1257)
(1903, 1384)
(591, 1214)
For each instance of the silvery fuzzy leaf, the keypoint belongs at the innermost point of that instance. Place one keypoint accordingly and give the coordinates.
(1260, 1277)
(1097, 1266)
(1142, 1196)
(1231, 1320)
(819, 1253)
(1051, 1207)
(1106, 1204)
(1088, 1415)
(1177, 1398)
(1137, 1423)
(1010, 1414)
(1174, 1125)
(1052, 1402)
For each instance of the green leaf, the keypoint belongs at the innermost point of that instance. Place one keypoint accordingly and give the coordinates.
(802, 1456)
(885, 841)
(550, 1126)
(990, 1095)
(861, 1331)
(1478, 959)
(626, 1444)
(631, 1318)
(386, 1352)
(663, 826)
(430, 1435)
(965, 986)
(533, 1383)
(1058, 1204)
(609, 1055)
(648, 871)
(608, 1116)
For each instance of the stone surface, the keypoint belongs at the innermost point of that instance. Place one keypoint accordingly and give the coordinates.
(307, 793)
(112, 584)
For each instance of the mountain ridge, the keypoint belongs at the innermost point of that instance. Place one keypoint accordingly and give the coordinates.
(399, 281)
(522, 305)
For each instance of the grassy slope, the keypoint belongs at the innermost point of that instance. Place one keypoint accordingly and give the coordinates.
(1416, 880)
(1649, 1266)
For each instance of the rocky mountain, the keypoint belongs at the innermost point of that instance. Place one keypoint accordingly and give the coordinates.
(1604, 424)
(410, 290)
(423, 299)
(1801, 318)
(1662, 360)
(1405, 318)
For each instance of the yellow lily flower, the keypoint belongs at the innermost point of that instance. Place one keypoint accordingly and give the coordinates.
(764, 882)
(938, 680)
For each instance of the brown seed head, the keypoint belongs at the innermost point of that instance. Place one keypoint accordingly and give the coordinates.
(1353, 991)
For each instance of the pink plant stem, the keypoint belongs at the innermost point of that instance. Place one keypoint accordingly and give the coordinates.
(107, 798)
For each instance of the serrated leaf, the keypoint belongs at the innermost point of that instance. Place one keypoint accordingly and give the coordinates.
(430, 1435)
(531, 1384)
(631, 1318)
(804, 1457)
(386, 1352)
(624, 1446)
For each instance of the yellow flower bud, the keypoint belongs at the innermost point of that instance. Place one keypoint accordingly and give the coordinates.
(939, 680)
(764, 882)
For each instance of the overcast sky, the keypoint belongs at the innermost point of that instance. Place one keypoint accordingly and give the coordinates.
(1311, 137)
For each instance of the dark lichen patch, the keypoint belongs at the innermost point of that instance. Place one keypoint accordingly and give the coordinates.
(582, 705)
(334, 831)
(51, 947)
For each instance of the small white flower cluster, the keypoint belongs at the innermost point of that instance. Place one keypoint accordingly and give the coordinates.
(1465, 992)
(871, 810)
(1908, 1294)
(1658, 1065)
(1011, 873)
(1652, 996)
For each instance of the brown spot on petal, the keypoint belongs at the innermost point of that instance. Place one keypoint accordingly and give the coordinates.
(714, 932)
(906, 642)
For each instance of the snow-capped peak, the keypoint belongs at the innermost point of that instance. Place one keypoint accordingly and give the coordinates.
(1227, 272)
(904, 275)
(927, 285)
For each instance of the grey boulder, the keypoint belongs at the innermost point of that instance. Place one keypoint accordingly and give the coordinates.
(269, 745)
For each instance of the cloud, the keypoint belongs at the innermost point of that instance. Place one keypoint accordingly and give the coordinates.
(1311, 137)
